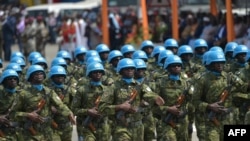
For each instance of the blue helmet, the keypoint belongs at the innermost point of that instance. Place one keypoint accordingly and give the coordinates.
(170, 43)
(39, 60)
(205, 57)
(91, 53)
(125, 63)
(147, 43)
(8, 73)
(173, 59)
(184, 49)
(157, 50)
(80, 50)
(17, 54)
(240, 49)
(33, 55)
(93, 59)
(18, 60)
(139, 54)
(64, 54)
(57, 70)
(215, 56)
(94, 66)
(102, 48)
(230, 46)
(248, 56)
(113, 54)
(127, 48)
(14, 66)
(140, 64)
(58, 61)
(32, 69)
(216, 48)
(200, 43)
(163, 55)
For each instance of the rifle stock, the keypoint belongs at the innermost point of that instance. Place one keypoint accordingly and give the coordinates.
(121, 114)
(88, 122)
(212, 115)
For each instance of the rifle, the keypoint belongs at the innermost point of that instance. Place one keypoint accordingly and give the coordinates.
(121, 114)
(28, 125)
(88, 121)
(223, 97)
(7, 115)
(169, 119)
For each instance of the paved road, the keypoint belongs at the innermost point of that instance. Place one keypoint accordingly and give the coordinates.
(51, 51)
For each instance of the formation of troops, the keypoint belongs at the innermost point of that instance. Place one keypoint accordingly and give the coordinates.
(146, 94)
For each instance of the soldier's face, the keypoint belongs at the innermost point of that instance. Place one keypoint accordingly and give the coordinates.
(81, 57)
(128, 55)
(140, 73)
(96, 75)
(104, 55)
(217, 66)
(58, 79)
(186, 56)
(174, 69)
(37, 77)
(10, 82)
(241, 57)
(148, 50)
(128, 72)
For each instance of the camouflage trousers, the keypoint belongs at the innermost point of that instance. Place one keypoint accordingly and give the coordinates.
(12, 135)
(132, 132)
(63, 132)
(167, 133)
(149, 123)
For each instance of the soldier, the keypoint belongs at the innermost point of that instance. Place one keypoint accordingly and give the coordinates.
(113, 59)
(9, 127)
(92, 126)
(127, 50)
(34, 107)
(171, 44)
(148, 120)
(147, 46)
(212, 97)
(61, 125)
(175, 90)
(18, 69)
(239, 54)
(200, 47)
(123, 106)
(155, 54)
(103, 51)
(229, 49)
(42, 62)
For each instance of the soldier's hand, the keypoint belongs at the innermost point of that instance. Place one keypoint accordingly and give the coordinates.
(94, 112)
(174, 110)
(216, 107)
(126, 106)
(159, 101)
(72, 119)
(35, 117)
(53, 109)
(4, 120)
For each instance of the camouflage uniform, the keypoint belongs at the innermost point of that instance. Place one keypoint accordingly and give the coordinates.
(208, 90)
(62, 127)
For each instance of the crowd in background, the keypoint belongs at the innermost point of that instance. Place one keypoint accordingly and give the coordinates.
(84, 29)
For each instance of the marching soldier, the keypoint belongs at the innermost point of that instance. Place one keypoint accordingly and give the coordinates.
(103, 51)
(9, 127)
(34, 107)
(61, 124)
(92, 126)
(123, 105)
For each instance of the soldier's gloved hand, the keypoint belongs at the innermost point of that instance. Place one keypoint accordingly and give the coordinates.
(174, 110)
(93, 112)
(216, 107)
(4, 120)
(72, 119)
(35, 117)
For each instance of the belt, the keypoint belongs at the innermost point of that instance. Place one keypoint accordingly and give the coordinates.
(64, 125)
